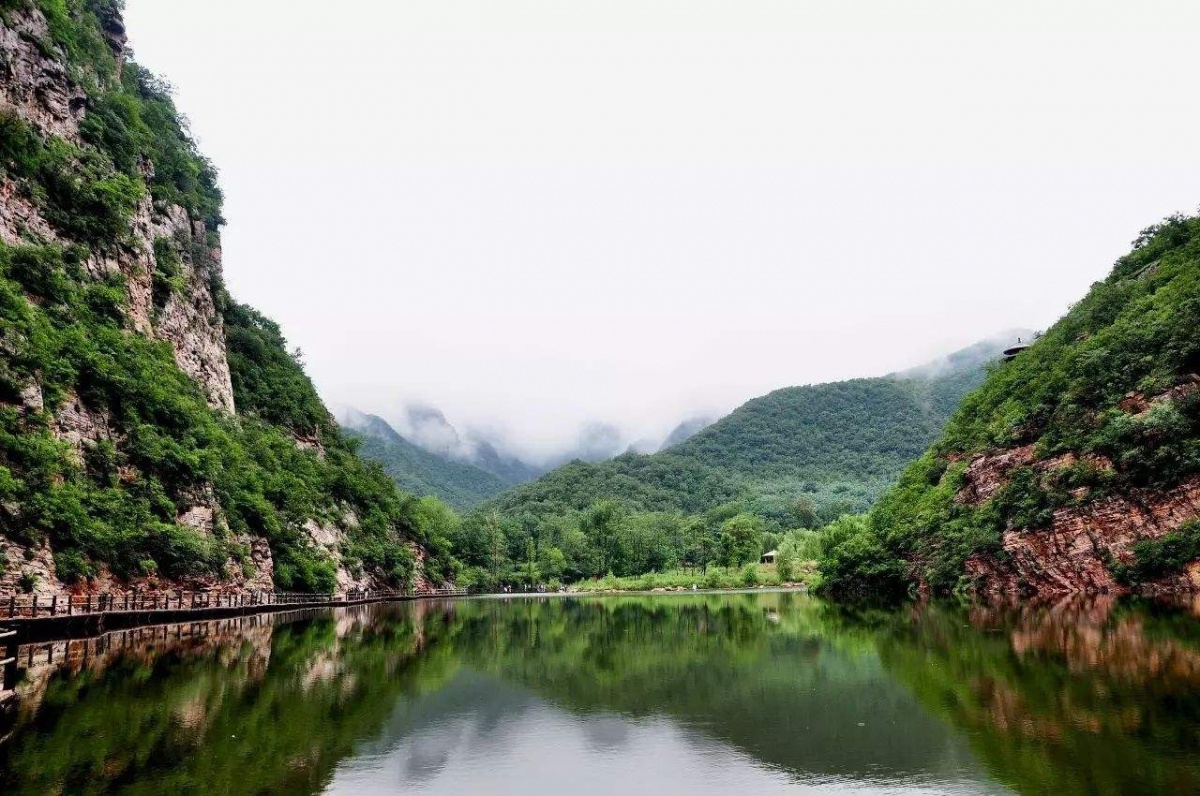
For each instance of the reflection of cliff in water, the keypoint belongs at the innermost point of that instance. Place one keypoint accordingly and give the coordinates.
(1086, 696)
(212, 709)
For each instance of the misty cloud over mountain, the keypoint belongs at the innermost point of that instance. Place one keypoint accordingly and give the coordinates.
(427, 426)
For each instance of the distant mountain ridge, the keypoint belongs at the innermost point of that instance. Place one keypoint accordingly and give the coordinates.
(838, 445)
(426, 427)
(420, 471)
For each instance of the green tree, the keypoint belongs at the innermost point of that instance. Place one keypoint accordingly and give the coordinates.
(741, 540)
(497, 557)
(805, 512)
(552, 563)
(602, 525)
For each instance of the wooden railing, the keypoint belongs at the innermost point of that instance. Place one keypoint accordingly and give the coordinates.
(37, 606)
(8, 659)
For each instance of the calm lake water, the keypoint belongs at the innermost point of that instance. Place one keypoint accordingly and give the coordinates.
(767, 693)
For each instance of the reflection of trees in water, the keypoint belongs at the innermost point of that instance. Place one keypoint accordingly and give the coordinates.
(1082, 697)
(760, 672)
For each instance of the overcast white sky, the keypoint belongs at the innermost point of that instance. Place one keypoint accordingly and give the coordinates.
(539, 213)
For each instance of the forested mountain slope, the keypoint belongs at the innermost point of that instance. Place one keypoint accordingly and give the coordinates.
(416, 470)
(153, 432)
(1075, 467)
(835, 445)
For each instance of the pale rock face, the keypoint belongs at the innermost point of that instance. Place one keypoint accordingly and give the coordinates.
(262, 563)
(330, 537)
(20, 220)
(20, 560)
(323, 535)
(190, 321)
(33, 85)
(31, 398)
(80, 426)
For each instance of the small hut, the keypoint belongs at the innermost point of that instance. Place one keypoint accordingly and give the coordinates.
(769, 558)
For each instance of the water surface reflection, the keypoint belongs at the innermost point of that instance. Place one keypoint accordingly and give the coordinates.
(769, 693)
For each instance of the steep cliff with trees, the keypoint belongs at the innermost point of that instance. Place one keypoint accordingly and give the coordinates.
(153, 431)
(1075, 467)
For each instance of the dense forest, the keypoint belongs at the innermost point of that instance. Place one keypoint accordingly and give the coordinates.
(151, 450)
(797, 458)
(1102, 411)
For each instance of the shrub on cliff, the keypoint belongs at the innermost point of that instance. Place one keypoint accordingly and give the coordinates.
(1158, 558)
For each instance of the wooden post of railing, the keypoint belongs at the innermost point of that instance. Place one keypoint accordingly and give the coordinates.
(8, 643)
(35, 606)
(12, 606)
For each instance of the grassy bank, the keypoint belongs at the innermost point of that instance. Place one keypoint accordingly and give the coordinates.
(714, 578)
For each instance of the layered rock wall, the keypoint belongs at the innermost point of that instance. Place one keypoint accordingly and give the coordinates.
(1078, 550)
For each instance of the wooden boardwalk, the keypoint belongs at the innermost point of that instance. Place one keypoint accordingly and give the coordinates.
(42, 617)
(39, 627)
(17, 610)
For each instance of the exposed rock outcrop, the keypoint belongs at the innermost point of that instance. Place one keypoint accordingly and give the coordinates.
(1075, 553)
(189, 320)
(20, 220)
(34, 81)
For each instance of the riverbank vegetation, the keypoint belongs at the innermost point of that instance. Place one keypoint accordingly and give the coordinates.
(750, 576)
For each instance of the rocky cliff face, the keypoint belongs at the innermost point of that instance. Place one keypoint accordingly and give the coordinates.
(34, 80)
(36, 86)
(110, 475)
(1076, 553)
